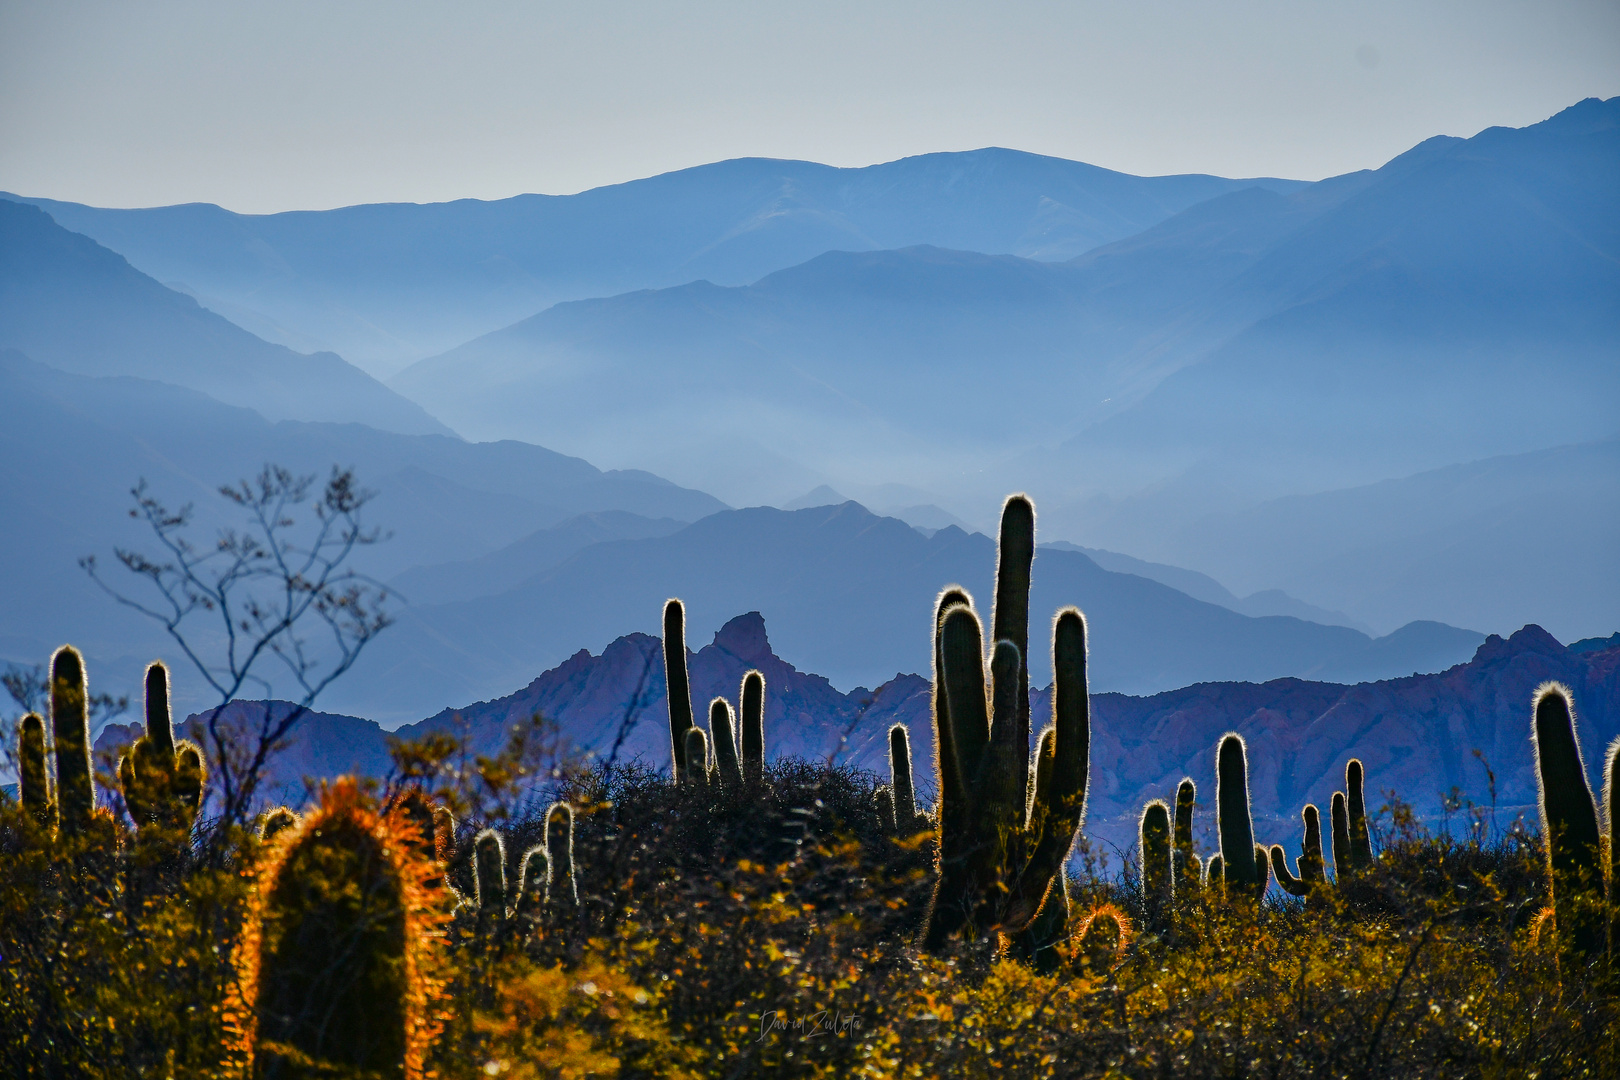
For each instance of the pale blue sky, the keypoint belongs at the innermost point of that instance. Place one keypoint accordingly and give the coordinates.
(299, 104)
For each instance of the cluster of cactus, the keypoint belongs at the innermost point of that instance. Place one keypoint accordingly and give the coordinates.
(1002, 846)
(63, 805)
(162, 780)
(724, 755)
(337, 967)
(546, 887)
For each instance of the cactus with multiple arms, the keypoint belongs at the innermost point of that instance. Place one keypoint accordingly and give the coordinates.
(162, 779)
(722, 730)
(678, 688)
(1310, 858)
(70, 722)
(752, 701)
(1569, 825)
(1158, 875)
(1001, 853)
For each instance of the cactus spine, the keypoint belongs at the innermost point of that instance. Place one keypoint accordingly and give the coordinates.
(33, 777)
(336, 966)
(1188, 870)
(1158, 874)
(722, 730)
(752, 700)
(678, 688)
(162, 780)
(70, 722)
(1360, 838)
(1007, 854)
(1341, 839)
(561, 887)
(1570, 827)
(1240, 869)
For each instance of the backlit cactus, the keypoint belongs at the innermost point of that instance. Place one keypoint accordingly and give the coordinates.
(1342, 865)
(337, 968)
(1189, 871)
(489, 879)
(70, 724)
(276, 821)
(1360, 837)
(1569, 825)
(1310, 858)
(562, 890)
(883, 800)
(907, 820)
(1001, 852)
(678, 688)
(162, 780)
(1158, 873)
(722, 730)
(752, 701)
(1101, 941)
(533, 873)
(695, 763)
(33, 774)
(1242, 861)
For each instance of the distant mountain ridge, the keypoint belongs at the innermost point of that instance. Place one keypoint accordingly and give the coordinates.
(69, 302)
(386, 284)
(1416, 735)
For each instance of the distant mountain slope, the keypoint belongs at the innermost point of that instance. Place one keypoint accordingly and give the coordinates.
(69, 302)
(1457, 303)
(1416, 735)
(71, 447)
(388, 284)
(849, 593)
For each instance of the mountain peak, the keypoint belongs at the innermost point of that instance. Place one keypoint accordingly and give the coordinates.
(744, 637)
(1529, 638)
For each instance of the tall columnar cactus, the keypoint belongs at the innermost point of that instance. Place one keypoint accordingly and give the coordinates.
(1158, 874)
(883, 799)
(1343, 867)
(722, 729)
(489, 877)
(1001, 852)
(33, 775)
(337, 967)
(907, 819)
(678, 687)
(1569, 825)
(1189, 872)
(562, 888)
(752, 700)
(162, 780)
(1310, 858)
(953, 800)
(695, 767)
(1240, 870)
(70, 723)
(1360, 837)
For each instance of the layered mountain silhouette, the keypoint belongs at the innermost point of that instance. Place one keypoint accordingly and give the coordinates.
(850, 594)
(1416, 735)
(1456, 304)
(389, 284)
(69, 302)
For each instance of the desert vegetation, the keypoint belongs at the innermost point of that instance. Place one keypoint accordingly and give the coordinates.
(531, 914)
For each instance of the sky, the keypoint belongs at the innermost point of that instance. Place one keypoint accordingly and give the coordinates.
(297, 105)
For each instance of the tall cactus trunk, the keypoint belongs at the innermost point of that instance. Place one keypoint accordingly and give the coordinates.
(907, 820)
(1240, 870)
(70, 723)
(562, 888)
(1569, 825)
(1189, 873)
(678, 688)
(1158, 872)
(722, 729)
(33, 776)
(752, 700)
(1360, 835)
(1342, 866)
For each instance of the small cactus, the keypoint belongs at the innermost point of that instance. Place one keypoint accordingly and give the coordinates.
(1241, 871)
(752, 700)
(722, 729)
(336, 965)
(1102, 939)
(1343, 867)
(70, 722)
(907, 819)
(1215, 872)
(535, 870)
(276, 821)
(562, 889)
(489, 878)
(1158, 874)
(33, 775)
(1360, 838)
(678, 688)
(1189, 874)
(883, 799)
(695, 766)
(1569, 825)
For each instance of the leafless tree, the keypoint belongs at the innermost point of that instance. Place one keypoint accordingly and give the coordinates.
(278, 593)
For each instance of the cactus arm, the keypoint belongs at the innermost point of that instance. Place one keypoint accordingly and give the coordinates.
(1310, 856)
(905, 796)
(753, 726)
(159, 718)
(678, 688)
(1215, 873)
(1232, 809)
(70, 720)
(1158, 875)
(190, 778)
(1293, 886)
(1342, 868)
(32, 776)
(721, 728)
(696, 769)
(1570, 827)
(963, 654)
(1186, 862)
(1360, 838)
(1262, 872)
(1015, 553)
(532, 884)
